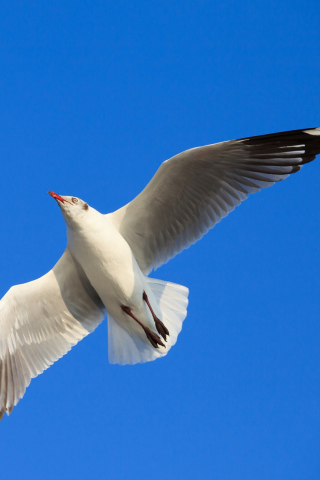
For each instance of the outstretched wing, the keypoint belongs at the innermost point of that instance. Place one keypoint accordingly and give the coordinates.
(194, 190)
(40, 321)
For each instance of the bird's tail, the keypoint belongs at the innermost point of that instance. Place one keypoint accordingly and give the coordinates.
(133, 347)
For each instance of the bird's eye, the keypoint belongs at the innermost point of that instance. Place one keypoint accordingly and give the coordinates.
(75, 200)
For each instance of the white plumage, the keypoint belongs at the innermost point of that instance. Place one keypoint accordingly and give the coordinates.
(103, 270)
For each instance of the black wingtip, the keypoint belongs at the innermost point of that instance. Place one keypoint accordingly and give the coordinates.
(306, 132)
(301, 144)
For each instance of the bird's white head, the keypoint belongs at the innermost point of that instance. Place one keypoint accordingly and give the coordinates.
(73, 209)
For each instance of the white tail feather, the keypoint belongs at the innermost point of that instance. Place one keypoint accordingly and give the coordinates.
(130, 347)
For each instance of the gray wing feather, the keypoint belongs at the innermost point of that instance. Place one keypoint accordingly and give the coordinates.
(40, 321)
(193, 191)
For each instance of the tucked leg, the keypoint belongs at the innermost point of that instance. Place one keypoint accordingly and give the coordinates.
(153, 338)
(162, 329)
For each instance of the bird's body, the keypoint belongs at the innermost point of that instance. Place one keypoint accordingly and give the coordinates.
(110, 266)
(108, 262)
(104, 269)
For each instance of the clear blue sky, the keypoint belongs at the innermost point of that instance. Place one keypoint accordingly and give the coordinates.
(94, 96)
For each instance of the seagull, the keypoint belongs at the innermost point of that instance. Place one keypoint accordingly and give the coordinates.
(104, 269)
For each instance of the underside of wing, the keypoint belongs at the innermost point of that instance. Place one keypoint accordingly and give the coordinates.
(39, 322)
(193, 191)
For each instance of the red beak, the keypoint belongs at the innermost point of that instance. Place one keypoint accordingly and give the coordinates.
(57, 197)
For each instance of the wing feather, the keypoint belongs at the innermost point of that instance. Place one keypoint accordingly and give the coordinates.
(193, 191)
(40, 321)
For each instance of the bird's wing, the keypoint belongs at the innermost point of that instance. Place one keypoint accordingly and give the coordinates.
(40, 321)
(194, 190)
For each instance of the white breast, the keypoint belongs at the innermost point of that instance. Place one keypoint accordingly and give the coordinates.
(109, 263)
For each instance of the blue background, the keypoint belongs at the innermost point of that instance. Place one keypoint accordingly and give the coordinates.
(94, 96)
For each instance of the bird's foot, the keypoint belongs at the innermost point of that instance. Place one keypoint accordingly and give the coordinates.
(153, 338)
(161, 328)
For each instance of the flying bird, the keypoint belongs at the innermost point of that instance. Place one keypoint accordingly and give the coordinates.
(104, 269)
